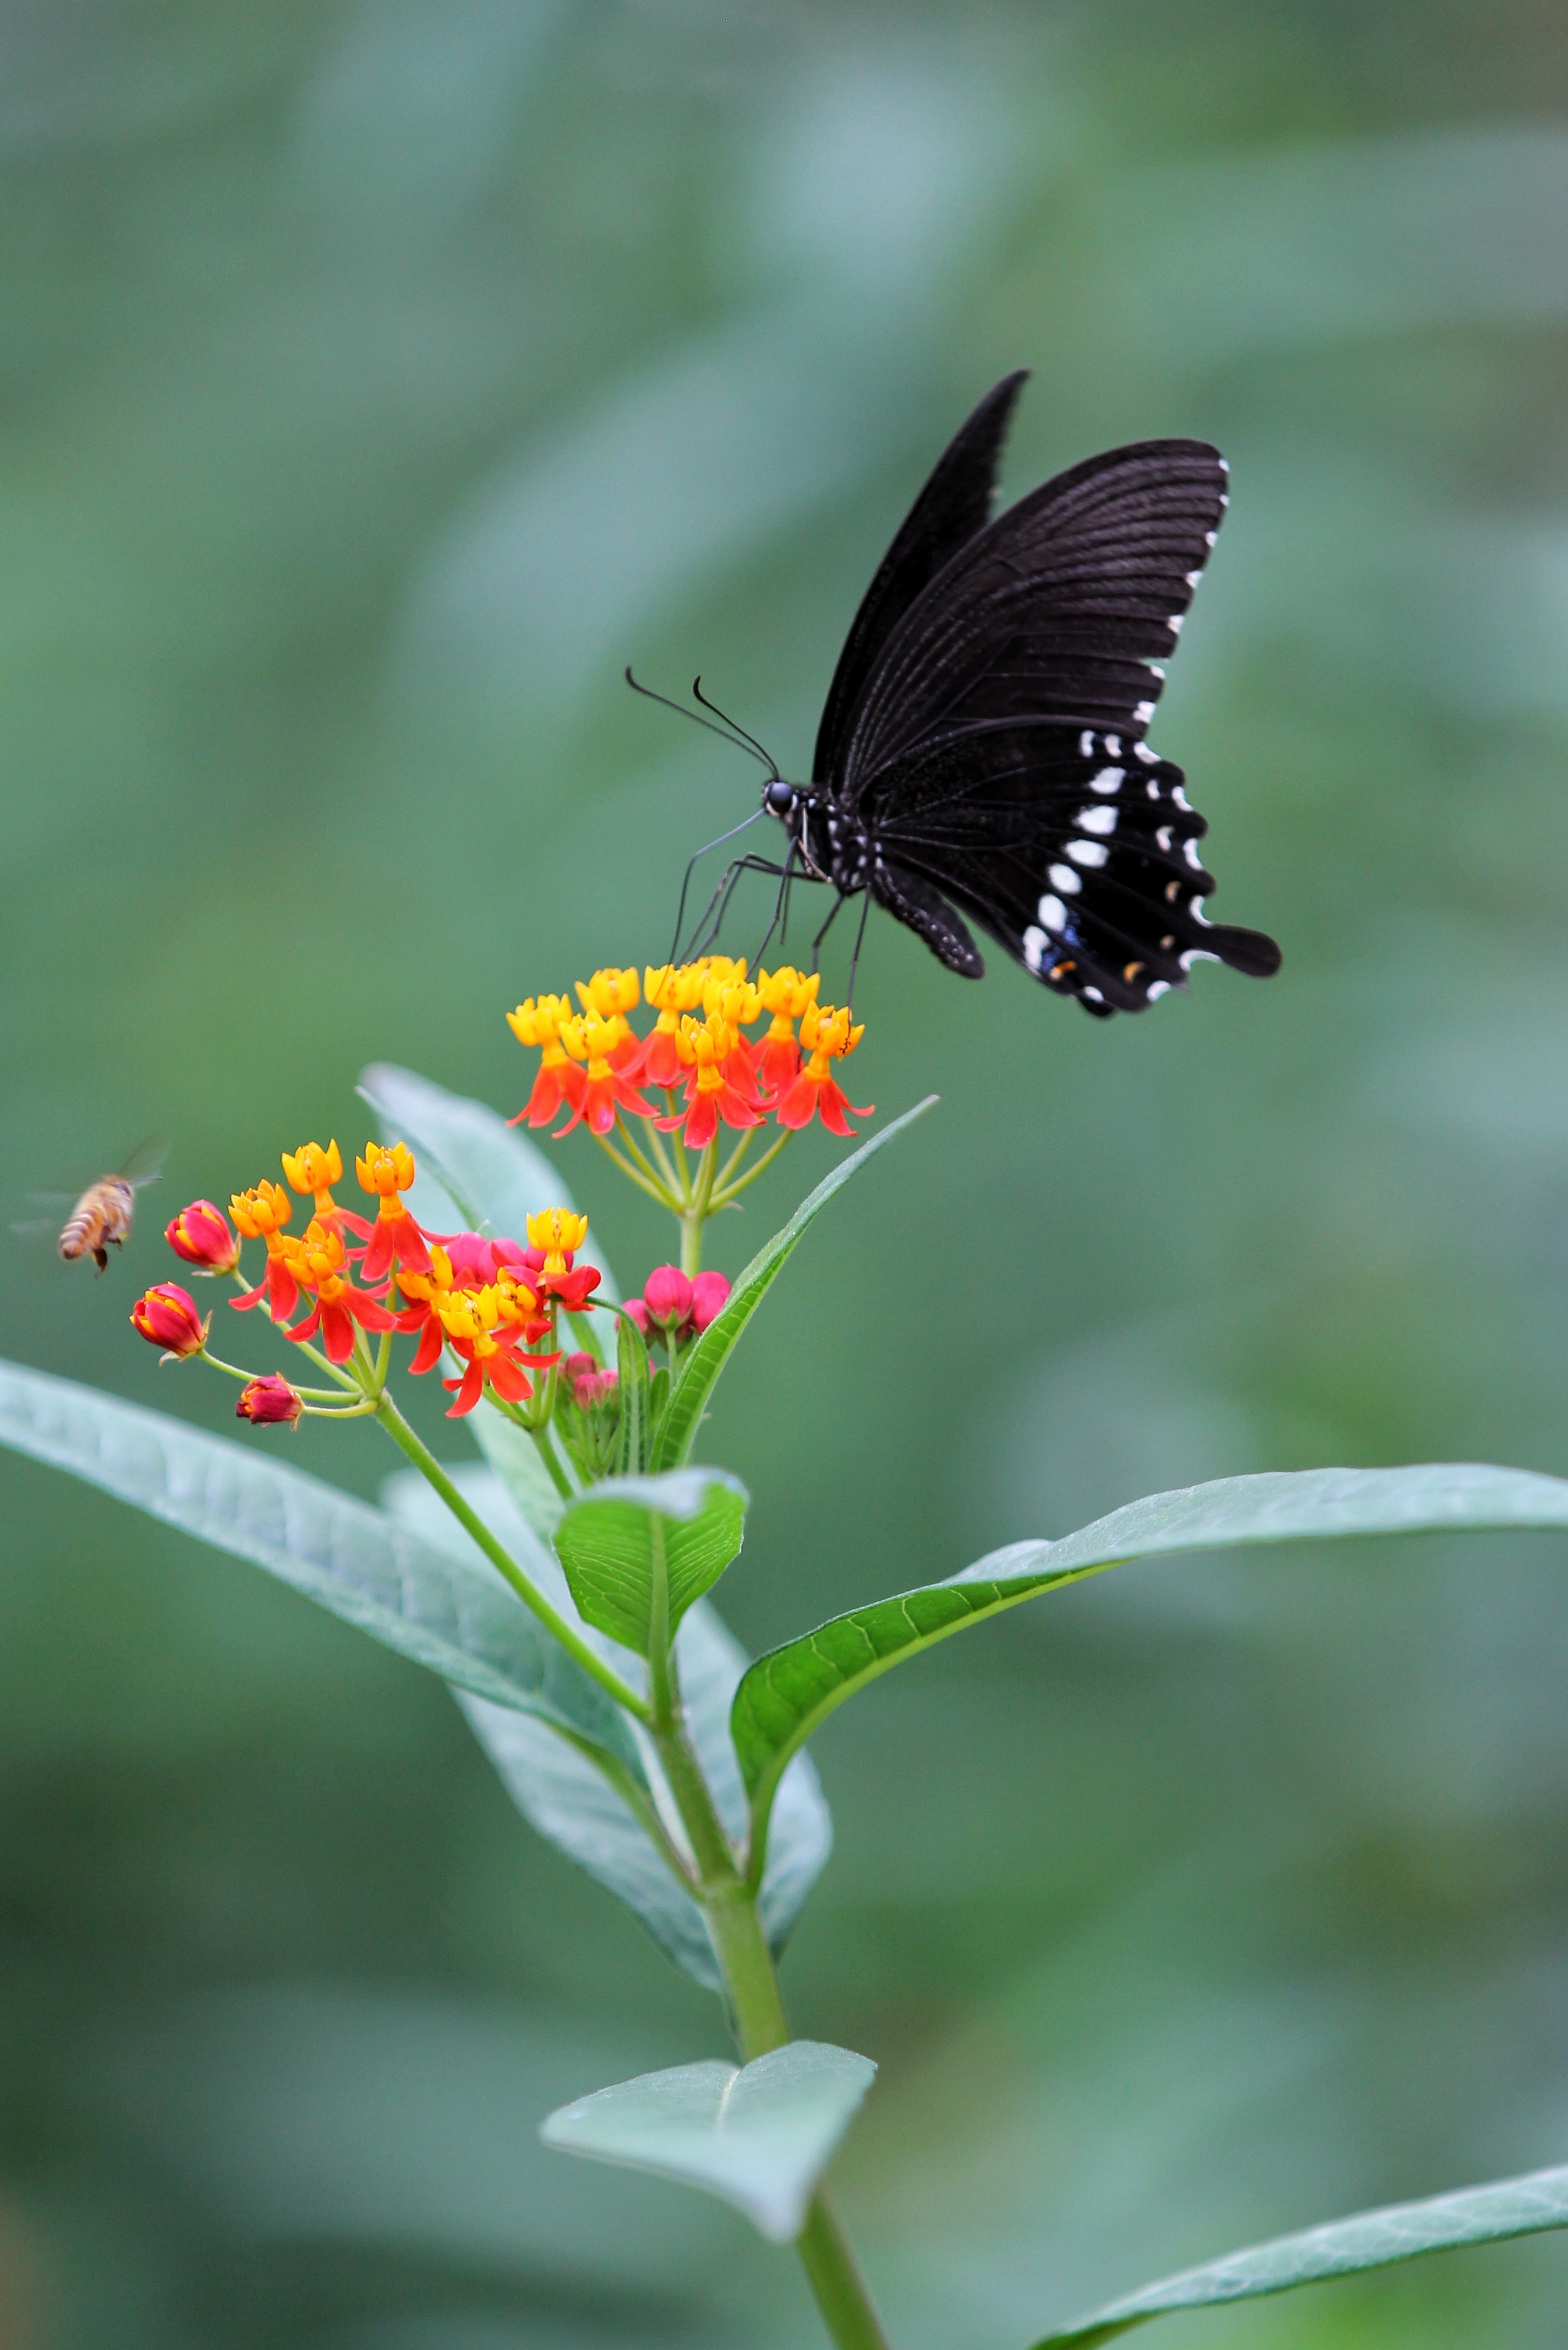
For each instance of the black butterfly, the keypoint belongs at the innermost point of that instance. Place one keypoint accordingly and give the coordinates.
(982, 751)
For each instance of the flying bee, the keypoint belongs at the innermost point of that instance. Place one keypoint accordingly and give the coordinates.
(102, 1217)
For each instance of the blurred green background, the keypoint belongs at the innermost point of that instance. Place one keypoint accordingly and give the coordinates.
(375, 381)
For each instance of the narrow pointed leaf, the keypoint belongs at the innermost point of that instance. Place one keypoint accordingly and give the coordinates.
(442, 1605)
(759, 2136)
(631, 1358)
(710, 1353)
(638, 1550)
(563, 1796)
(1371, 2239)
(788, 1692)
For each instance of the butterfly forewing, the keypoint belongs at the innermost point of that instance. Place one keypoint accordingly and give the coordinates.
(954, 505)
(1054, 611)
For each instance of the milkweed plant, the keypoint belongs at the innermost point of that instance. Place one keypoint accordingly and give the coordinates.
(560, 1587)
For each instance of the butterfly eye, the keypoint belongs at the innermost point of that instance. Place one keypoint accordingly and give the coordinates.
(778, 798)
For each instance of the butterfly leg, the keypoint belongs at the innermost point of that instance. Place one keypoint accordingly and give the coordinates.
(817, 942)
(692, 867)
(781, 903)
(707, 932)
(854, 958)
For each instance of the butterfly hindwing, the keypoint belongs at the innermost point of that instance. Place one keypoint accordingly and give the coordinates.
(1078, 850)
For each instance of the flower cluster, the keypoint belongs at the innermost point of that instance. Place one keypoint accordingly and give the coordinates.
(488, 1305)
(697, 1053)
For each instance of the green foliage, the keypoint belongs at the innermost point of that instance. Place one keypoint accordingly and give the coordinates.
(443, 1607)
(759, 2136)
(562, 1794)
(638, 1550)
(711, 1352)
(635, 1431)
(1371, 2239)
(790, 1690)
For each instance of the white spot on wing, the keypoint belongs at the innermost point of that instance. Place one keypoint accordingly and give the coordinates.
(1096, 820)
(1174, 624)
(1086, 852)
(1194, 576)
(1063, 878)
(1156, 988)
(1179, 797)
(1191, 852)
(1150, 758)
(1113, 745)
(1086, 745)
(1109, 779)
(1155, 670)
(1195, 908)
(1162, 837)
(1036, 945)
(1197, 954)
(1052, 914)
(1143, 712)
(1094, 995)
(1209, 536)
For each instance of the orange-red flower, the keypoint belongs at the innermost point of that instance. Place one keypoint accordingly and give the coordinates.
(311, 1169)
(605, 1045)
(202, 1234)
(554, 1235)
(397, 1239)
(670, 989)
(539, 1021)
(712, 1093)
(316, 1263)
(827, 1034)
(268, 1401)
(261, 1214)
(786, 994)
(167, 1317)
(478, 1330)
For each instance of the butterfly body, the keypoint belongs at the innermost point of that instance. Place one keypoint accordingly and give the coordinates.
(981, 752)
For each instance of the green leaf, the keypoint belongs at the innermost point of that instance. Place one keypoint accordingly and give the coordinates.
(711, 1352)
(1372, 2239)
(442, 1605)
(567, 1800)
(638, 1550)
(788, 1692)
(759, 2134)
(631, 1359)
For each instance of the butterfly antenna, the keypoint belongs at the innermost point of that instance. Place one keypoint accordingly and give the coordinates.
(735, 727)
(753, 749)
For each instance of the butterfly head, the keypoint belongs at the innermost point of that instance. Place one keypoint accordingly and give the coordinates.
(779, 798)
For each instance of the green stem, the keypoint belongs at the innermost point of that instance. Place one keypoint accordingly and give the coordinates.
(727, 1191)
(626, 1169)
(695, 1215)
(554, 1622)
(552, 1460)
(757, 2013)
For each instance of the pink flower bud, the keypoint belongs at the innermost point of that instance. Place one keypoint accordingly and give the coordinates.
(666, 1294)
(578, 1366)
(637, 1311)
(202, 1234)
(593, 1388)
(709, 1295)
(167, 1317)
(269, 1401)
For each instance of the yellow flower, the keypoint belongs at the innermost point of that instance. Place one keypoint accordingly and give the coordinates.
(559, 1233)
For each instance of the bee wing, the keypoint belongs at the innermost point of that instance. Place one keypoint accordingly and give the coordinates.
(145, 1163)
(32, 1228)
(61, 1201)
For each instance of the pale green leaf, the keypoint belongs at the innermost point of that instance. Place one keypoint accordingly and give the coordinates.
(788, 1692)
(759, 2136)
(638, 1550)
(709, 1354)
(440, 1604)
(566, 1799)
(1371, 2239)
